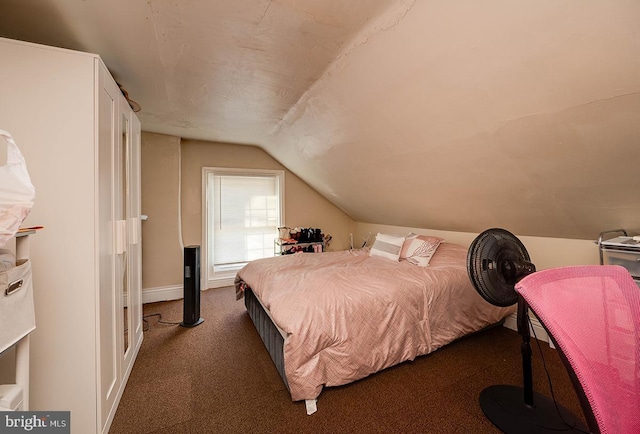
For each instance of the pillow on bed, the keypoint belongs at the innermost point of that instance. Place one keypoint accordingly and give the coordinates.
(387, 246)
(419, 249)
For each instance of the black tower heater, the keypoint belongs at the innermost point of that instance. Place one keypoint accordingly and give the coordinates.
(191, 302)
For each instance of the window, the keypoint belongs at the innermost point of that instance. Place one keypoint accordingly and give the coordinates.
(243, 212)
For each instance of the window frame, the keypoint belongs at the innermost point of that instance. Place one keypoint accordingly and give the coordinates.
(212, 279)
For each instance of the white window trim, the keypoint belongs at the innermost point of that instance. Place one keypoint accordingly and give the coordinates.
(217, 280)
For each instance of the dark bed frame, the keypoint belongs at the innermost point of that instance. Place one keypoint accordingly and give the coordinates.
(269, 333)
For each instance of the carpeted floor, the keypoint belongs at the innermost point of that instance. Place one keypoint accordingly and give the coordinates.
(218, 378)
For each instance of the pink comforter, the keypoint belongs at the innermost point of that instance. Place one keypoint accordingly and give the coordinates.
(347, 315)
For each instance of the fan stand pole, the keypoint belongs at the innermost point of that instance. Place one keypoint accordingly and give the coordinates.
(520, 410)
(525, 350)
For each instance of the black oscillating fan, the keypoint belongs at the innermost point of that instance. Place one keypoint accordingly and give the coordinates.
(496, 261)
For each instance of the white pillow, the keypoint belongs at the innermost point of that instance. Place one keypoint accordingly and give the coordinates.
(419, 249)
(387, 246)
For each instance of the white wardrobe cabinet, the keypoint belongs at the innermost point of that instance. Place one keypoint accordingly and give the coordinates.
(81, 141)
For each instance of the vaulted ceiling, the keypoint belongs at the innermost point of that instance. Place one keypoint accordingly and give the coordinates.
(452, 115)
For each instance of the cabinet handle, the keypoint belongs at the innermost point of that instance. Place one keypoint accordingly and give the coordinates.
(13, 287)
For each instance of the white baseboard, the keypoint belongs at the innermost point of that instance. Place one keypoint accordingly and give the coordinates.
(165, 293)
(175, 292)
(221, 282)
(511, 322)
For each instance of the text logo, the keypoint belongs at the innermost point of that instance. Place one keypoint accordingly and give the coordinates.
(40, 422)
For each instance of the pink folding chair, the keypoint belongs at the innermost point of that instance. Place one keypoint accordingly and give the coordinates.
(592, 313)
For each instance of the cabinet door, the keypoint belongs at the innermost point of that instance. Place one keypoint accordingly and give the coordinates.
(136, 210)
(134, 246)
(109, 355)
(123, 212)
(120, 290)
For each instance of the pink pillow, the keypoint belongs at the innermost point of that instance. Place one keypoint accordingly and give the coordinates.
(419, 249)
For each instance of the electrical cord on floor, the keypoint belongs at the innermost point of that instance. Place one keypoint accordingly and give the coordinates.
(544, 364)
(159, 315)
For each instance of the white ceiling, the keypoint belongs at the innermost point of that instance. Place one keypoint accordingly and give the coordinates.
(453, 115)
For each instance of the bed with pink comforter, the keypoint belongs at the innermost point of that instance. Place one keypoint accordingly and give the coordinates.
(345, 315)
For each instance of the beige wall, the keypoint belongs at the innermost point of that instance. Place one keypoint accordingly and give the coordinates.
(544, 252)
(167, 230)
(161, 241)
(172, 181)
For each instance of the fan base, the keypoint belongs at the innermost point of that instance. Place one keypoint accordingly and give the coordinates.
(504, 406)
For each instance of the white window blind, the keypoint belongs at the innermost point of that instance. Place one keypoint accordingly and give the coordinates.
(244, 215)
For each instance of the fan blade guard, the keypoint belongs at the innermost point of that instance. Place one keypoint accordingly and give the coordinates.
(496, 261)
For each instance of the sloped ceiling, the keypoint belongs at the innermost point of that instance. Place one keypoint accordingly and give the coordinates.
(452, 115)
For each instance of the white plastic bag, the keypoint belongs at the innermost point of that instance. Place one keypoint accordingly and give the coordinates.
(16, 190)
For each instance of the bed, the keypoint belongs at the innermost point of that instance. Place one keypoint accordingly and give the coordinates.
(328, 319)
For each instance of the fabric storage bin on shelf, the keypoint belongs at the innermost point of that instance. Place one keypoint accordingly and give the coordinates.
(11, 397)
(17, 313)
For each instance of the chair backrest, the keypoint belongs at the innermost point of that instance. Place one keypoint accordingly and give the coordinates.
(592, 313)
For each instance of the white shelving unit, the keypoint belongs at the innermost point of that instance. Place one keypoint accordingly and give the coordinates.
(22, 346)
(282, 247)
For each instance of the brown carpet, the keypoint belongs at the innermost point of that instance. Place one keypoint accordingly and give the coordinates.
(218, 378)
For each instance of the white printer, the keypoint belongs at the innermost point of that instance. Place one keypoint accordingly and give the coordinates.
(622, 250)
